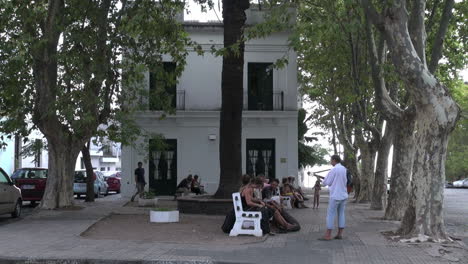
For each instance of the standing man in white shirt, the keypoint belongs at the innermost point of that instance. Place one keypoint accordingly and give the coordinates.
(336, 180)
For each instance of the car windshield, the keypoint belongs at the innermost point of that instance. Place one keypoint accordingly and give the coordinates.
(80, 176)
(30, 174)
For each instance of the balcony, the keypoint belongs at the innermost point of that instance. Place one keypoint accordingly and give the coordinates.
(265, 102)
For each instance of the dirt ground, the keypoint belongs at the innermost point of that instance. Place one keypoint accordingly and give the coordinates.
(191, 229)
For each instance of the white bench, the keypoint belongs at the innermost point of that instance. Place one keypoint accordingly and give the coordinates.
(247, 223)
(285, 201)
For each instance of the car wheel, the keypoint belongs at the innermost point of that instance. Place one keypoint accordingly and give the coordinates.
(78, 196)
(96, 195)
(33, 203)
(17, 212)
(107, 192)
(118, 191)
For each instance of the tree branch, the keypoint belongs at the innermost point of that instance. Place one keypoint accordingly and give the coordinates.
(374, 16)
(384, 103)
(437, 46)
(417, 28)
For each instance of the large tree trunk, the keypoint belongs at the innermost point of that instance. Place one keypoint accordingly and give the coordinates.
(436, 116)
(230, 131)
(379, 192)
(424, 214)
(402, 166)
(367, 174)
(89, 173)
(59, 187)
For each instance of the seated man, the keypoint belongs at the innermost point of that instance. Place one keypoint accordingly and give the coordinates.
(269, 192)
(195, 185)
(184, 186)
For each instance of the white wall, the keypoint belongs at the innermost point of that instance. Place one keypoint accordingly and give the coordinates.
(196, 154)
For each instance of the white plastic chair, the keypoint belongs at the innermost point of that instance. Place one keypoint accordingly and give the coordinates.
(285, 200)
(245, 220)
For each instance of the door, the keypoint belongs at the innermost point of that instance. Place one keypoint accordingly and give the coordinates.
(7, 198)
(260, 86)
(163, 167)
(261, 157)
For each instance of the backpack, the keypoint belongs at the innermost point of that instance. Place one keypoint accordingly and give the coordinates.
(349, 179)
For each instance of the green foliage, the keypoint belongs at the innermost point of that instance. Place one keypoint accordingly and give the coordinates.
(149, 195)
(103, 46)
(34, 149)
(308, 155)
(456, 166)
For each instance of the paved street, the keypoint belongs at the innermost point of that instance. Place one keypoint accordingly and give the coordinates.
(55, 236)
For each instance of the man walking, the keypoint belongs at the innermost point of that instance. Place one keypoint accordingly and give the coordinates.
(336, 180)
(139, 180)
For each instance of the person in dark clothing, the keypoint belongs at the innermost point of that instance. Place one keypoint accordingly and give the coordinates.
(139, 181)
(195, 185)
(184, 186)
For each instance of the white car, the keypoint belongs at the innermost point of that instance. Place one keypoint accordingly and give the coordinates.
(465, 183)
(460, 183)
(79, 184)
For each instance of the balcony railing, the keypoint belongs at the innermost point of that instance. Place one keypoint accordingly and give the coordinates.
(268, 102)
(180, 100)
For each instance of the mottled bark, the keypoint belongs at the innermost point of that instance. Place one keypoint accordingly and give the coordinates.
(230, 150)
(402, 166)
(379, 191)
(367, 173)
(436, 115)
(59, 187)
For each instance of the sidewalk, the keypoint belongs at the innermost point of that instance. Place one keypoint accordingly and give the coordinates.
(55, 237)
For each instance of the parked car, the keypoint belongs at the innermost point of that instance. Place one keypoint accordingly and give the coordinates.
(79, 183)
(459, 183)
(465, 183)
(32, 182)
(448, 184)
(113, 181)
(10, 196)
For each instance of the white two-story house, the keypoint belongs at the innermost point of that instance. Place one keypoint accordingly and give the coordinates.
(269, 134)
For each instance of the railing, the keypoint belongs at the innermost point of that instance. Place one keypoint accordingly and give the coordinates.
(268, 102)
(180, 100)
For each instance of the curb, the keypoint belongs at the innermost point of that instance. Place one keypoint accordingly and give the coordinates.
(14, 260)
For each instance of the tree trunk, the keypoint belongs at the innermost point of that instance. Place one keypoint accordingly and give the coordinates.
(367, 174)
(230, 131)
(424, 214)
(379, 191)
(59, 187)
(436, 116)
(89, 173)
(402, 166)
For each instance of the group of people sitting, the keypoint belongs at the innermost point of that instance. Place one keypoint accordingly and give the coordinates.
(256, 195)
(191, 184)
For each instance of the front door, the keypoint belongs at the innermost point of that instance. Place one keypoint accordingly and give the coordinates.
(163, 168)
(261, 157)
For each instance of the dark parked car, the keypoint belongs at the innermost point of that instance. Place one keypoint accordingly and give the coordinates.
(32, 182)
(10, 196)
(114, 182)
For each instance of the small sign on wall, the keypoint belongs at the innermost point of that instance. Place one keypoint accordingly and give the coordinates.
(283, 160)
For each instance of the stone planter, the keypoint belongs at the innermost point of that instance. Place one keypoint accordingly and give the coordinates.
(164, 216)
(147, 202)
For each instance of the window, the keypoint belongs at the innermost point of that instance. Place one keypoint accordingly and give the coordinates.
(29, 174)
(3, 177)
(260, 86)
(261, 157)
(162, 90)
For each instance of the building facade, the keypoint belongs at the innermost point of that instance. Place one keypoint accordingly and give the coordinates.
(269, 134)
